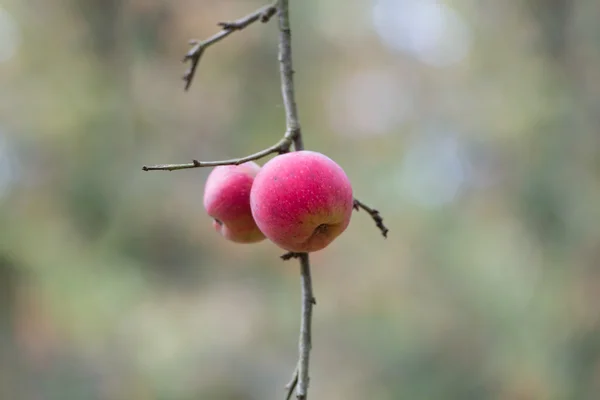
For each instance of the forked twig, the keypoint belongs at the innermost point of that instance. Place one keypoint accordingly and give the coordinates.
(263, 14)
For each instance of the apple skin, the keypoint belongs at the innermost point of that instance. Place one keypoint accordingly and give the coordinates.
(302, 201)
(227, 201)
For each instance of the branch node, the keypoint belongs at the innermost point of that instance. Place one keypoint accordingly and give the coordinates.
(290, 255)
(230, 26)
(267, 13)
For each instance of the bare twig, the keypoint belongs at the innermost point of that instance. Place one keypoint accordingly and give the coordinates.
(263, 14)
(292, 384)
(280, 147)
(374, 214)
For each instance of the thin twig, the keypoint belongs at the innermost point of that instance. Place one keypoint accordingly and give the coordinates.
(293, 130)
(374, 214)
(263, 14)
(280, 147)
(292, 384)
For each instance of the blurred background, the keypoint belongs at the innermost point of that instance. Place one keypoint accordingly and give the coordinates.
(473, 126)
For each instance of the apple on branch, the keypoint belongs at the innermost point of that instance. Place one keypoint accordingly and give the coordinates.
(227, 201)
(301, 201)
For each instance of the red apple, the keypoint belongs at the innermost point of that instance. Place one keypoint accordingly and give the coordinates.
(301, 201)
(227, 200)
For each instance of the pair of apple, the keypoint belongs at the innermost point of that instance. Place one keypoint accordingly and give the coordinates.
(301, 201)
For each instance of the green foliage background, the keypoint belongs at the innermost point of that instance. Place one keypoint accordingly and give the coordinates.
(113, 284)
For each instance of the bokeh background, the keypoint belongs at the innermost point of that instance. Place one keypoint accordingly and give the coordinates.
(473, 126)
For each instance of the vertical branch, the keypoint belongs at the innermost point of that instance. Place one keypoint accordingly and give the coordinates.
(293, 131)
(286, 71)
(305, 327)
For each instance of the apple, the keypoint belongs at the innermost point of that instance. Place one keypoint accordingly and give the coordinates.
(301, 201)
(227, 201)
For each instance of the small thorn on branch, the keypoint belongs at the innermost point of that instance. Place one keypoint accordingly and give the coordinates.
(229, 26)
(374, 214)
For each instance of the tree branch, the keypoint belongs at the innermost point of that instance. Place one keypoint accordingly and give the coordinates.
(286, 72)
(263, 14)
(292, 136)
(282, 146)
(294, 131)
(374, 214)
(305, 328)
